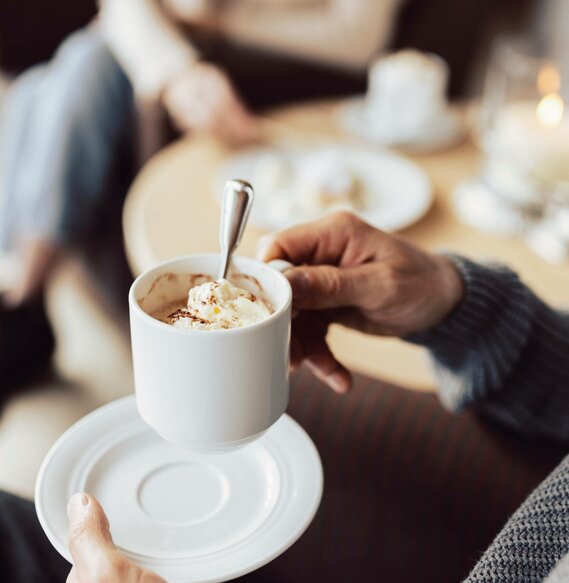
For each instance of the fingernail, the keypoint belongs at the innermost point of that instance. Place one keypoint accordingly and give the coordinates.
(299, 283)
(77, 503)
(338, 382)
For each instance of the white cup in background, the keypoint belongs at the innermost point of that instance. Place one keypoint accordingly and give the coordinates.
(406, 91)
(210, 390)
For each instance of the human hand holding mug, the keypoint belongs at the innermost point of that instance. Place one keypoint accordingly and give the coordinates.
(353, 274)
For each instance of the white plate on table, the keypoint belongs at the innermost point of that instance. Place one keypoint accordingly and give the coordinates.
(191, 518)
(442, 133)
(397, 191)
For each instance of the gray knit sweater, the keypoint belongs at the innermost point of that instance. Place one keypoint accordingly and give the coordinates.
(506, 354)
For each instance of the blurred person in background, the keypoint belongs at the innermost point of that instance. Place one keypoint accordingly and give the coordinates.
(72, 135)
(71, 132)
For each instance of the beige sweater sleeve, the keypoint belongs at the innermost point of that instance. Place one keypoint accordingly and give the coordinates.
(146, 42)
(340, 32)
(152, 50)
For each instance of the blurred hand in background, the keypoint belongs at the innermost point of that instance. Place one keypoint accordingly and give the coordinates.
(202, 98)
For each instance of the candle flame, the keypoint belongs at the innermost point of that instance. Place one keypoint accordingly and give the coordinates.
(548, 80)
(550, 110)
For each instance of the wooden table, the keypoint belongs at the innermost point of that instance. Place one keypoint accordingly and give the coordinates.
(170, 211)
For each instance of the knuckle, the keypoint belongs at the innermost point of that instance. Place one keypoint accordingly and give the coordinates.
(343, 217)
(352, 225)
(334, 283)
(118, 569)
(76, 534)
(391, 283)
(107, 576)
(149, 577)
(312, 279)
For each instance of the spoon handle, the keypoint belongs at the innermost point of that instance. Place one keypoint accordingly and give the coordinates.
(235, 208)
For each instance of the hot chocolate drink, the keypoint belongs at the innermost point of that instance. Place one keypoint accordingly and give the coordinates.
(215, 305)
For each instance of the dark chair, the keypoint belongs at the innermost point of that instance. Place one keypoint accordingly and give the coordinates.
(412, 493)
(31, 30)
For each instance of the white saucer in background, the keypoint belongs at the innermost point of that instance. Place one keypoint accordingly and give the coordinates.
(191, 518)
(397, 191)
(444, 132)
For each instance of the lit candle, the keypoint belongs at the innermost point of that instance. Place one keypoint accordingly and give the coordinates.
(529, 149)
(537, 135)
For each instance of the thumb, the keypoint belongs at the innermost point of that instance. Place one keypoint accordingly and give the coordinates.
(325, 286)
(89, 537)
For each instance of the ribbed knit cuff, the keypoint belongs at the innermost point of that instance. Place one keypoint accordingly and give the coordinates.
(478, 343)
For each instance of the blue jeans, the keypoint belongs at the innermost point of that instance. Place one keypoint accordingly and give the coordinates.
(68, 135)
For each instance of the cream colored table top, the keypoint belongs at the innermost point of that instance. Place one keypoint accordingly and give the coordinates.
(171, 211)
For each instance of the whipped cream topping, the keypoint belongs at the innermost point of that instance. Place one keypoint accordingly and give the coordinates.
(219, 305)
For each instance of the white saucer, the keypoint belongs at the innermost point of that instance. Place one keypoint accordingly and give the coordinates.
(189, 517)
(444, 133)
(397, 191)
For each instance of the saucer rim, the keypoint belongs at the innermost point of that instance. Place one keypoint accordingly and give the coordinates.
(129, 402)
(354, 107)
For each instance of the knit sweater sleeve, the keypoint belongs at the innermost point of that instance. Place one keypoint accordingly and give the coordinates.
(533, 545)
(503, 352)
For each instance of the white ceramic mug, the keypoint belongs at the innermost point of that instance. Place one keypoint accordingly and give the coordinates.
(210, 390)
(406, 92)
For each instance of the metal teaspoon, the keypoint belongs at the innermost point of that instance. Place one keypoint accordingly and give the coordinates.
(235, 208)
